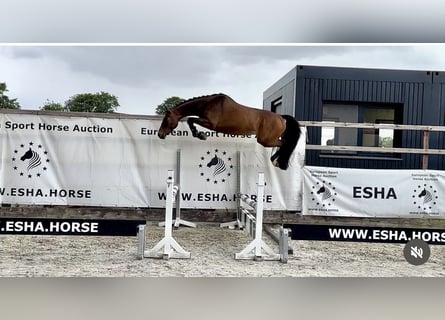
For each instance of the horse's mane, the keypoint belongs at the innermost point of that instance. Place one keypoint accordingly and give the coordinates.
(201, 97)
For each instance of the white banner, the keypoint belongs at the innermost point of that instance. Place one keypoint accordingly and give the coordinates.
(68, 160)
(373, 193)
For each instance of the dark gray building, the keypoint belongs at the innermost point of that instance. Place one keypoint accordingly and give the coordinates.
(363, 95)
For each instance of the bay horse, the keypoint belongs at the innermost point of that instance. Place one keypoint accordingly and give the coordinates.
(219, 112)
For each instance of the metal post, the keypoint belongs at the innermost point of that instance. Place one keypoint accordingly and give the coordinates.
(178, 183)
(284, 244)
(169, 213)
(259, 214)
(426, 145)
(239, 216)
(141, 241)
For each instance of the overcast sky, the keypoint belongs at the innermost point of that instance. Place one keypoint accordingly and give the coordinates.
(142, 77)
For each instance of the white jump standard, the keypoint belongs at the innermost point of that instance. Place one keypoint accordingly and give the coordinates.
(178, 221)
(257, 249)
(168, 247)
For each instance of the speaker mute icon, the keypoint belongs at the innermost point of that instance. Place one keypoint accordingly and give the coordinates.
(417, 252)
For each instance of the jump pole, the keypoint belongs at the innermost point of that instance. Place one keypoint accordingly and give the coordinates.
(168, 247)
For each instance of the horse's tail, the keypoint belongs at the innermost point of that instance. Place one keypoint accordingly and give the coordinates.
(290, 139)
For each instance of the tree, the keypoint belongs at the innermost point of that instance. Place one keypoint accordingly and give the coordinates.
(168, 104)
(101, 102)
(386, 142)
(5, 101)
(52, 106)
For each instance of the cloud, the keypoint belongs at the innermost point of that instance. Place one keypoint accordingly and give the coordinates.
(187, 66)
(143, 76)
(139, 66)
(155, 66)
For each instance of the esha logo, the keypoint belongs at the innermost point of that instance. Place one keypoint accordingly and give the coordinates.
(425, 197)
(323, 194)
(216, 166)
(30, 160)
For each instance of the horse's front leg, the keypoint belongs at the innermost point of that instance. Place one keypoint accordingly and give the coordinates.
(197, 134)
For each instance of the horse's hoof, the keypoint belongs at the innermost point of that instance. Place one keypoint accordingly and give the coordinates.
(201, 136)
(282, 166)
(275, 163)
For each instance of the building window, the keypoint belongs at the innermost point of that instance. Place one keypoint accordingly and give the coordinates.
(362, 113)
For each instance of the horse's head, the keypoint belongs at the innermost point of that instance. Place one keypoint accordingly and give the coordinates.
(423, 193)
(27, 155)
(213, 162)
(169, 123)
(321, 190)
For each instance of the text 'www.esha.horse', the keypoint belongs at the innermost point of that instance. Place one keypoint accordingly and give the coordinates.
(221, 113)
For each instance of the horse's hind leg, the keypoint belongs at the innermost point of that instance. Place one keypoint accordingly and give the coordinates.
(271, 142)
(197, 134)
(275, 156)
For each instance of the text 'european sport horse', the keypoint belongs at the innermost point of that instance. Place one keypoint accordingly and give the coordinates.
(219, 112)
